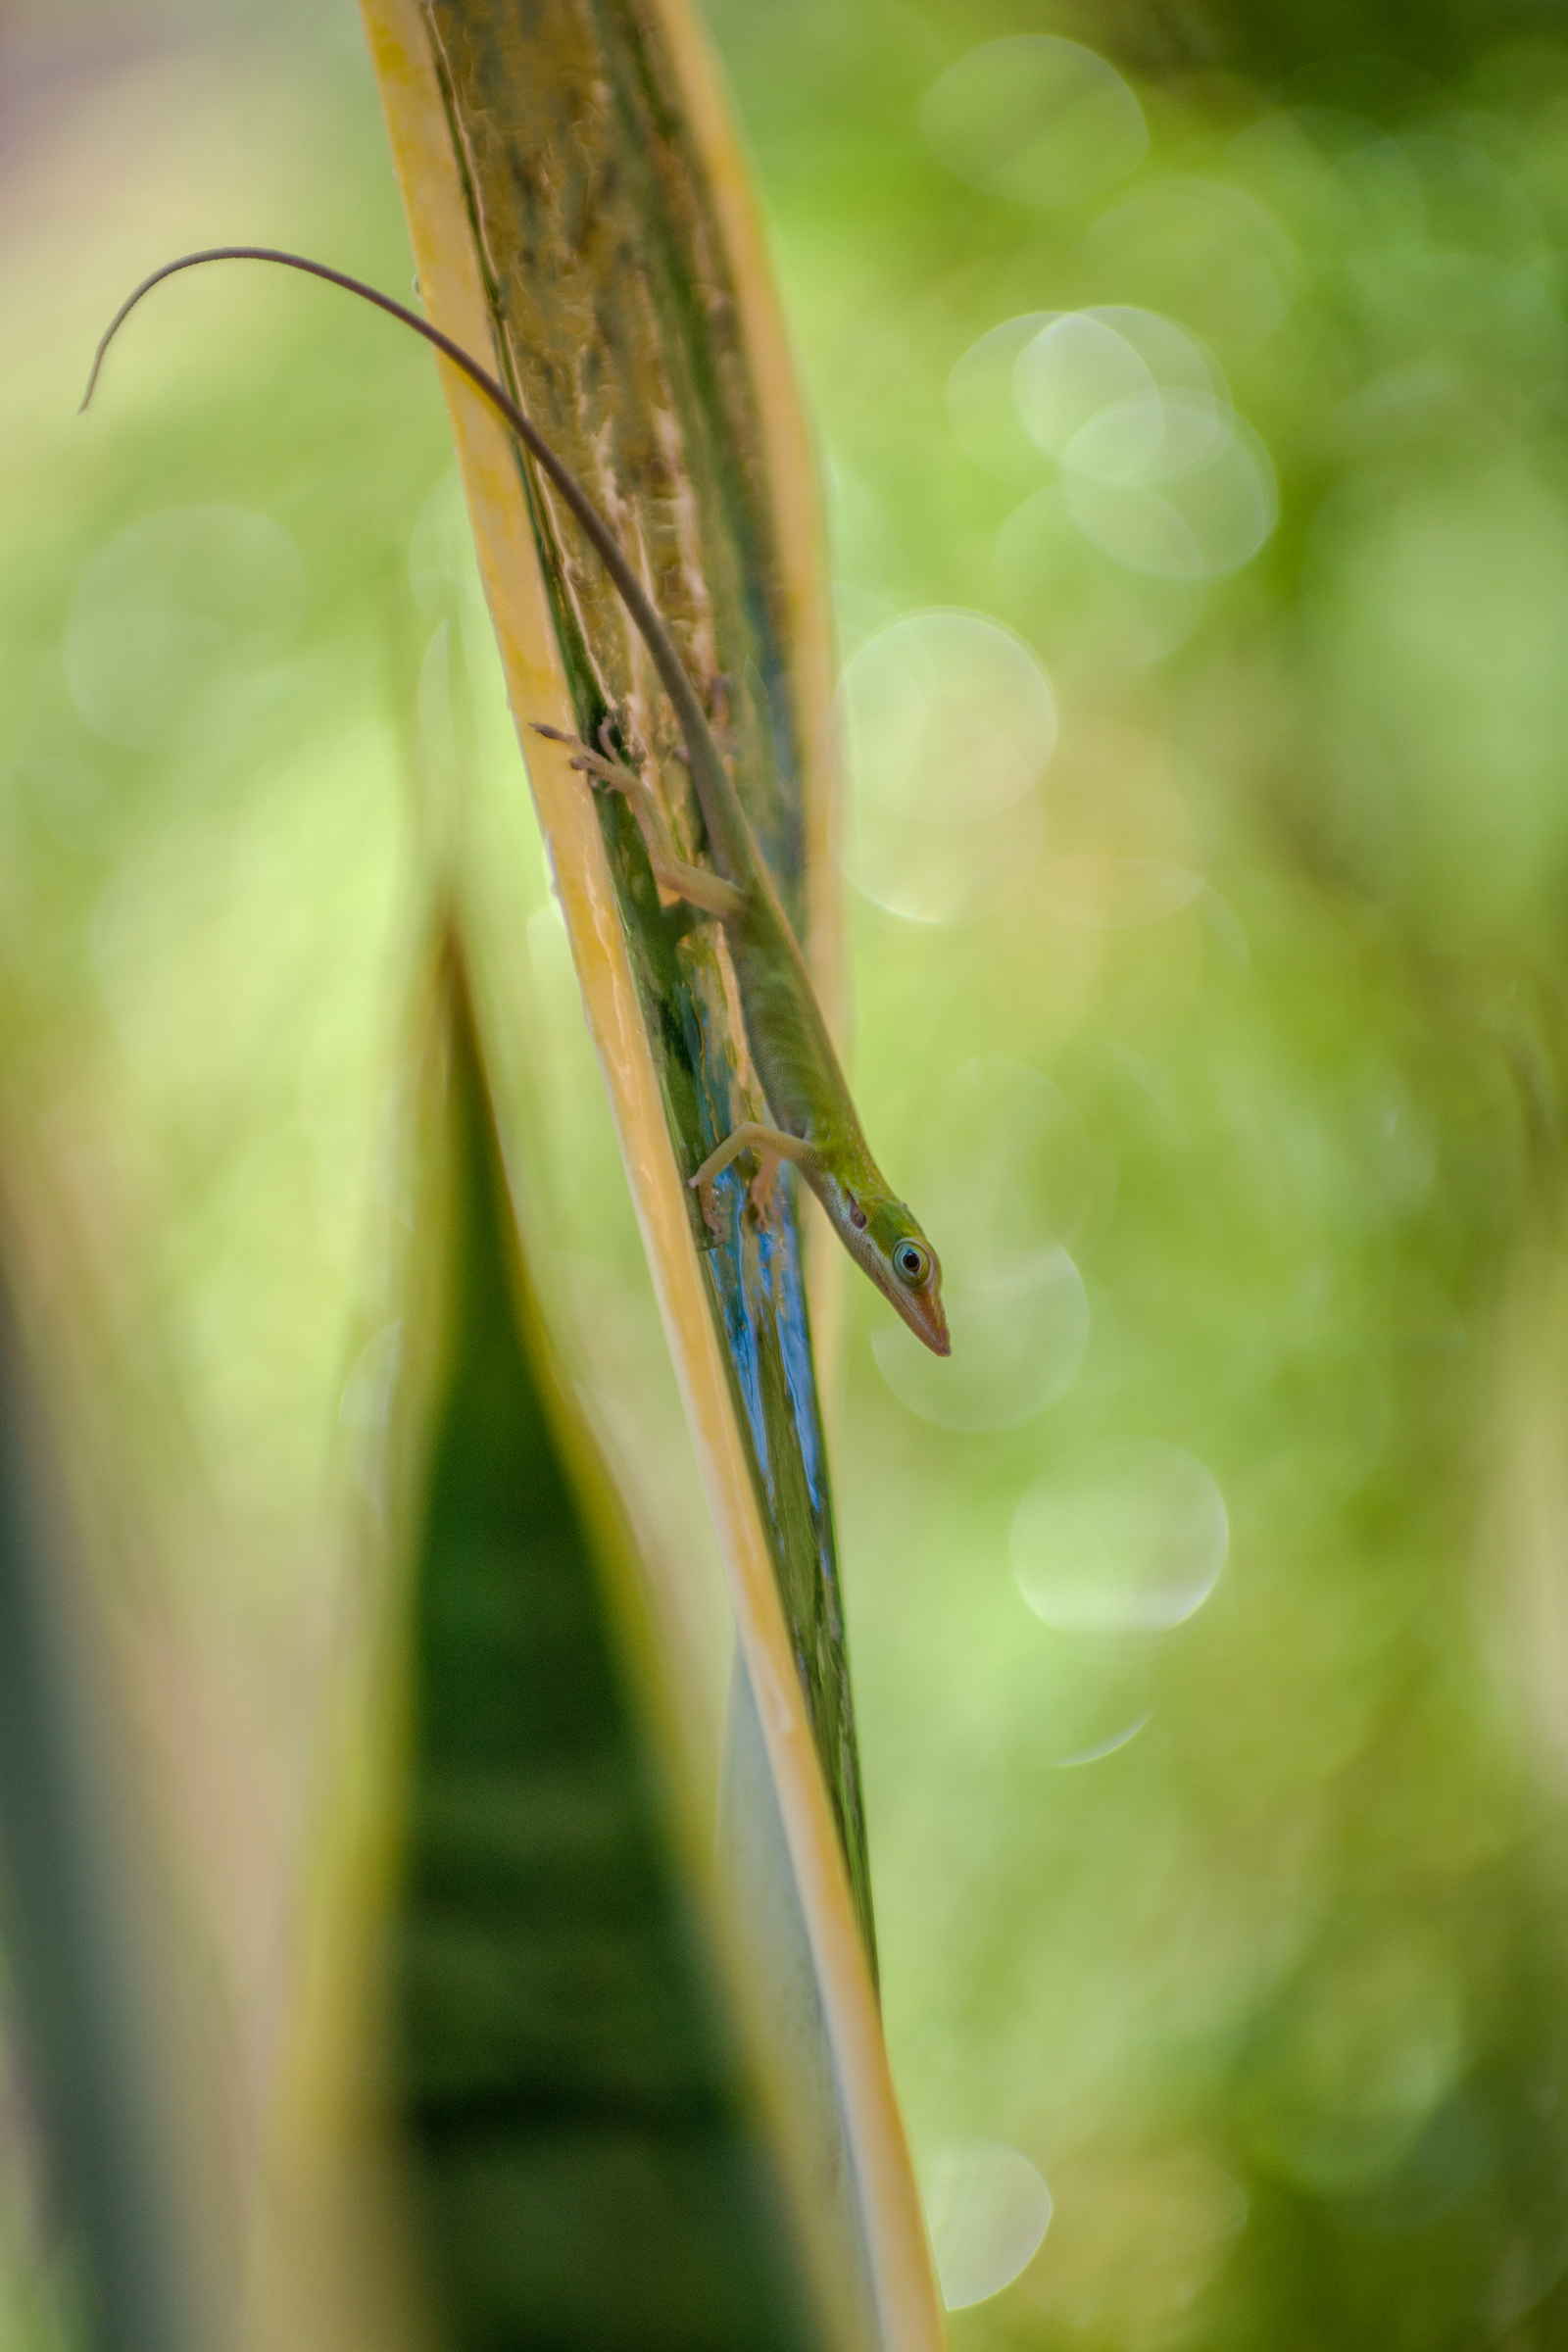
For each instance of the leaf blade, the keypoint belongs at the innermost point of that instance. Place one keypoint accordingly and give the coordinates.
(583, 864)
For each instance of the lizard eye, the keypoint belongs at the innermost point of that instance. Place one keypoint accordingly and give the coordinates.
(911, 1263)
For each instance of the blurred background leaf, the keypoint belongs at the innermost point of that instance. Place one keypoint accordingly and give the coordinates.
(92, 2157)
(592, 2160)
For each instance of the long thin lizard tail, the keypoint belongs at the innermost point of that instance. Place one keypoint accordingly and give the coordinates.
(701, 749)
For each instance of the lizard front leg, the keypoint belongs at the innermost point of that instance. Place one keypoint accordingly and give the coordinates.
(770, 1144)
(672, 872)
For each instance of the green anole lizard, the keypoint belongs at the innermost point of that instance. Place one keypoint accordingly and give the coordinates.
(815, 1127)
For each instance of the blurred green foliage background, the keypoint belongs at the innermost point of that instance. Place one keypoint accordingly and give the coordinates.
(1194, 406)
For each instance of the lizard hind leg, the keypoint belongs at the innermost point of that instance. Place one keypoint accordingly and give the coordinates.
(693, 883)
(602, 765)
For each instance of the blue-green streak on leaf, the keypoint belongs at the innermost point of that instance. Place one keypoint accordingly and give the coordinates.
(592, 2169)
(616, 324)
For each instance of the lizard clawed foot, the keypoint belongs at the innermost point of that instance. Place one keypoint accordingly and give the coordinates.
(762, 1190)
(712, 1214)
(603, 769)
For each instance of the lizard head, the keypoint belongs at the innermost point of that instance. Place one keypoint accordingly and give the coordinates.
(904, 1267)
